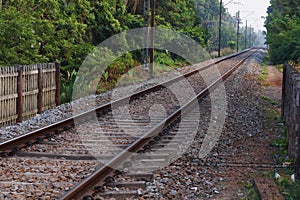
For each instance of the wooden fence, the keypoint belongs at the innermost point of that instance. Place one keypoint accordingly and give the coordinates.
(291, 113)
(28, 90)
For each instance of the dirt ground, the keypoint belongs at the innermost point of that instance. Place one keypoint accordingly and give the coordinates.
(272, 84)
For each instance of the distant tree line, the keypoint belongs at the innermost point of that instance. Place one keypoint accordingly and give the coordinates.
(283, 31)
(38, 31)
(66, 30)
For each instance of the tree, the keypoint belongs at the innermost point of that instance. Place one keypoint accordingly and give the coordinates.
(282, 24)
(44, 31)
(18, 43)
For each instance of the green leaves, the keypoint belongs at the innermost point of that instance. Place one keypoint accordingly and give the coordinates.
(44, 31)
(50, 30)
(283, 26)
(18, 43)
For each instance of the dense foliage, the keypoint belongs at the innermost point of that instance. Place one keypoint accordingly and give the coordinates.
(283, 30)
(37, 31)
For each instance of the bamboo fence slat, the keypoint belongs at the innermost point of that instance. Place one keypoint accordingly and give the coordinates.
(35, 86)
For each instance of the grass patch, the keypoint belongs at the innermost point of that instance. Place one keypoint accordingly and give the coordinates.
(289, 189)
(279, 68)
(271, 116)
(280, 143)
(264, 72)
(268, 99)
(250, 192)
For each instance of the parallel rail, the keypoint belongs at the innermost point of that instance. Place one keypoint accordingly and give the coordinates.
(23, 140)
(85, 188)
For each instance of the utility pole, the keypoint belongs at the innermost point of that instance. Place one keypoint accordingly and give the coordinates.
(238, 31)
(220, 29)
(152, 33)
(146, 34)
(149, 20)
(246, 35)
(250, 39)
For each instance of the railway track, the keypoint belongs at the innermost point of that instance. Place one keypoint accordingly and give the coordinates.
(113, 156)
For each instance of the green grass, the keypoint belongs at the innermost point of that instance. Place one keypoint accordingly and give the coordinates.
(271, 101)
(280, 144)
(279, 68)
(289, 189)
(251, 193)
(264, 72)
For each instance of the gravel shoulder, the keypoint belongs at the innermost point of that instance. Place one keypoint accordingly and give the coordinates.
(257, 148)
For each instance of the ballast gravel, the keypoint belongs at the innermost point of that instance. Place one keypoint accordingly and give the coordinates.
(67, 110)
(211, 177)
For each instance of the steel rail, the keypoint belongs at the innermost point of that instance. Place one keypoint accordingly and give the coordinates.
(85, 188)
(22, 141)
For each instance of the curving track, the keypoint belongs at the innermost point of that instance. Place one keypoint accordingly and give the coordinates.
(59, 161)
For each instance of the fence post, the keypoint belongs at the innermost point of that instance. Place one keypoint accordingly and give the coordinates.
(40, 89)
(20, 94)
(57, 83)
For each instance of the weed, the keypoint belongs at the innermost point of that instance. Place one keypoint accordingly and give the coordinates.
(66, 86)
(279, 68)
(251, 193)
(280, 143)
(264, 72)
(271, 101)
(289, 188)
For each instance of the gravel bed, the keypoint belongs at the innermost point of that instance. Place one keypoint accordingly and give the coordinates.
(26, 178)
(193, 177)
(138, 108)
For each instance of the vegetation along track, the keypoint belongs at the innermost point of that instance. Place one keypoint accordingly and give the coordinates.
(58, 162)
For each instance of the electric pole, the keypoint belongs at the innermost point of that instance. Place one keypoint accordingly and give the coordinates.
(250, 39)
(146, 34)
(220, 29)
(246, 35)
(238, 31)
(149, 20)
(152, 34)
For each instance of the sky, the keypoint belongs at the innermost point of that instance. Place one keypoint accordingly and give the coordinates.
(250, 10)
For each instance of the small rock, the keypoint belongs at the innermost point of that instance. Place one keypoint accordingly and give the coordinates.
(216, 191)
(139, 191)
(208, 183)
(164, 180)
(173, 192)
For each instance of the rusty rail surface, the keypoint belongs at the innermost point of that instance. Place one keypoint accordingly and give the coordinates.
(85, 188)
(22, 141)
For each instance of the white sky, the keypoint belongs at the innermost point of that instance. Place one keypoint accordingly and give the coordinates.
(251, 10)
